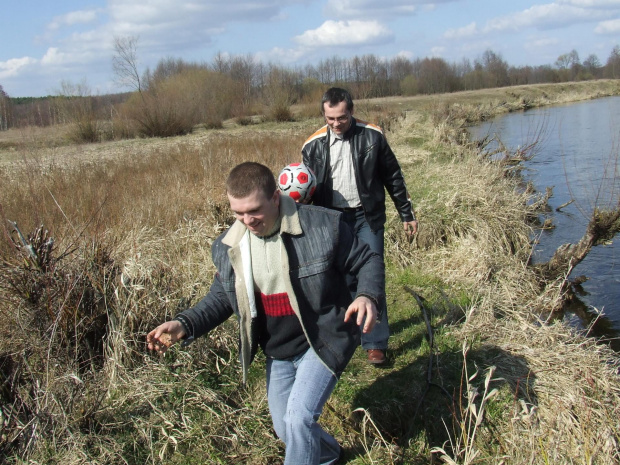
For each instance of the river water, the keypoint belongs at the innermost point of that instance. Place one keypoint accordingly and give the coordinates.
(577, 153)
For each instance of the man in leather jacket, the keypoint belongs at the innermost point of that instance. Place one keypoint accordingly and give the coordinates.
(354, 166)
(280, 269)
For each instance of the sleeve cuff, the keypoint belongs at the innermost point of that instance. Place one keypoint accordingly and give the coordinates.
(188, 328)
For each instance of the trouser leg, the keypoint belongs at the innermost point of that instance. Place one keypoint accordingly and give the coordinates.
(297, 390)
(378, 337)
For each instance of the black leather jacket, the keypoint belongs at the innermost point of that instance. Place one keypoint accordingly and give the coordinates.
(376, 170)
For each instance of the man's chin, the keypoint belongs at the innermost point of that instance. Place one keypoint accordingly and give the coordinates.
(256, 232)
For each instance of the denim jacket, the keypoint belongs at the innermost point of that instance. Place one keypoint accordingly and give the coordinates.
(319, 250)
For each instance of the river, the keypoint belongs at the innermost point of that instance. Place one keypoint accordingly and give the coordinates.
(577, 154)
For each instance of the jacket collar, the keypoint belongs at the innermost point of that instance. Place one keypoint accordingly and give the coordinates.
(290, 223)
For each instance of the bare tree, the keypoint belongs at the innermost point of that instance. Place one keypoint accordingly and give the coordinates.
(77, 107)
(125, 62)
(434, 76)
(496, 69)
(612, 68)
(592, 63)
(5, 110)
(569, 65)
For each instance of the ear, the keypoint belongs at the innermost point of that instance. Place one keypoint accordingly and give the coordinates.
(276, 197)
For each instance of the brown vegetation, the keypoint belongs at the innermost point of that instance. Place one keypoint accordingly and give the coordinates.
(132, 222)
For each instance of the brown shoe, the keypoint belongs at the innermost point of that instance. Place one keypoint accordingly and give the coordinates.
(376, 356)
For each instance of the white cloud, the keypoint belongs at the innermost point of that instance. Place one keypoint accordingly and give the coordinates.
(281, 55)
(608, 27)
(537, 44)
(438, 52)
(13, 66)
(54, 57)
(74, 17)
(169, 25)
(162, 14)
(345, 33)
(542, 17)
(405, 54)
(591, 3)
(464, 32)
(373, 9)
(369, 8)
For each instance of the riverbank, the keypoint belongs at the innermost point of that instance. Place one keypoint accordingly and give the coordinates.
(478, 215)
(484, 380)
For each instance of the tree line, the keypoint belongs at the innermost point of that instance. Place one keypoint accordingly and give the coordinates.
(177, 95)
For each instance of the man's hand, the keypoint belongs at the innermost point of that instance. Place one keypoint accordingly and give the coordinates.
(365, 308)
(411, 227)
(166, 334)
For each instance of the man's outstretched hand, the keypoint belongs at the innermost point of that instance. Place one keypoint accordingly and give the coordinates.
(365, 308)
(166, 334)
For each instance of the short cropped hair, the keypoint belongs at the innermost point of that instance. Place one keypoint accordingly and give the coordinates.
(333, 96)
(249, 177)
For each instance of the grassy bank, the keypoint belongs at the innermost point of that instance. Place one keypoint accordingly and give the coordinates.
(474, 376)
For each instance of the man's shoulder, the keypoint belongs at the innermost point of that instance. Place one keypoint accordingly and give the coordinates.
(221, 244)
(318, 135)
(314, 212)
(366, 126)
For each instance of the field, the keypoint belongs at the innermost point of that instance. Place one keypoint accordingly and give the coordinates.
(477, 372)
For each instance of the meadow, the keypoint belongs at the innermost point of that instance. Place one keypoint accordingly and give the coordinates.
(115, 238)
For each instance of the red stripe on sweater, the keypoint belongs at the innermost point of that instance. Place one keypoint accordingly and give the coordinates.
(276, 305)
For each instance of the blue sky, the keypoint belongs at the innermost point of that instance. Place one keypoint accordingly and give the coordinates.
(47, 43)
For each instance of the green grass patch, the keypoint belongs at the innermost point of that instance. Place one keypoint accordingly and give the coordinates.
(415, 142)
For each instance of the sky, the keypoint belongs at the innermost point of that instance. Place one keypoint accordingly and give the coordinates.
(47, 44)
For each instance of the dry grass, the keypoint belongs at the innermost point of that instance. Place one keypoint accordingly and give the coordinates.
(156, 206)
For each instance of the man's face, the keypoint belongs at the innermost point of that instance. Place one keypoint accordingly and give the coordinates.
(338, 118)
(257, 212)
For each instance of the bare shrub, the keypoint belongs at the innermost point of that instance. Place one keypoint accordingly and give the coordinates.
(279, 93)
(59, 298)
(161, 112)
(175, 105)
(213, 124)
(244, 120)
(281, 114)
(77, 107)
(65, 295)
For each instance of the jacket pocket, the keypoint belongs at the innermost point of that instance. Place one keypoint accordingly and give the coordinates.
(368, 149)
(228, 282)
(311, 268)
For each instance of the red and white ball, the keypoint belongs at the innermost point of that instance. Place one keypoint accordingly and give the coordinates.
(297, 181)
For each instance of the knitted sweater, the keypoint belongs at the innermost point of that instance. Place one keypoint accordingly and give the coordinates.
(281, 335)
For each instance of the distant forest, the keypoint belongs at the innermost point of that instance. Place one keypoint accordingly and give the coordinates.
(240, 86)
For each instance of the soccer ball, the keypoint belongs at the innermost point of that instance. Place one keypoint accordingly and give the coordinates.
(297, 181)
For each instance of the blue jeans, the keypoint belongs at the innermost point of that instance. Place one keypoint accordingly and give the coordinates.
(378, 337)
(297, 390)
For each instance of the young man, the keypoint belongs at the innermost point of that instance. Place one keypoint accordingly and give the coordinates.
(280, 269)
(354, 165)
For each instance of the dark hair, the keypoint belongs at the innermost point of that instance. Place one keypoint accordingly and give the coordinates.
(249, 177)
(333, 96)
